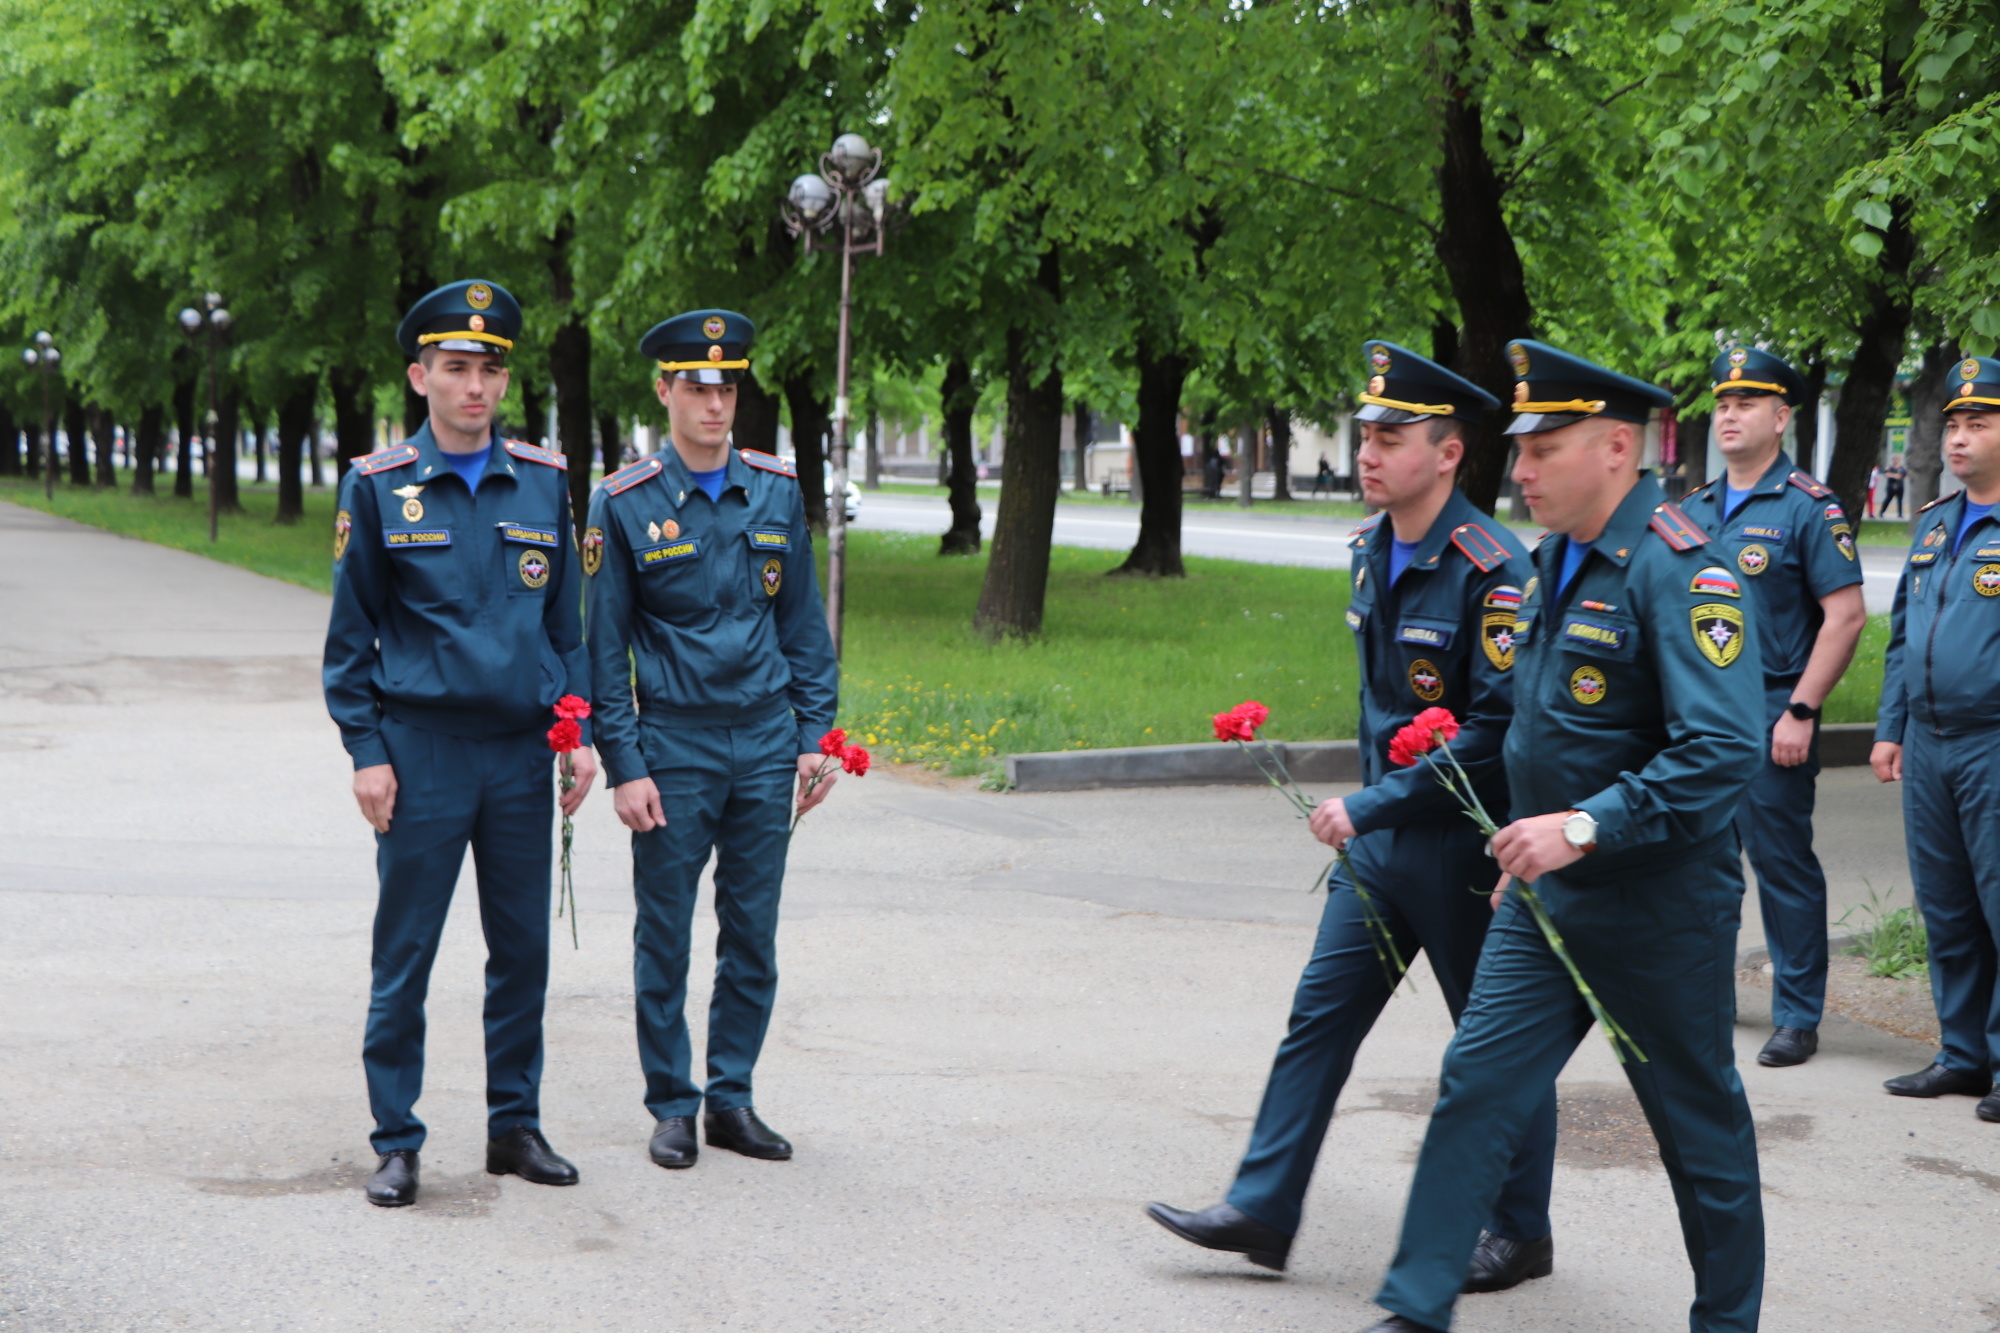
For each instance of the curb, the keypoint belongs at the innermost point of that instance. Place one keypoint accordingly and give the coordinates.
(1842, 745)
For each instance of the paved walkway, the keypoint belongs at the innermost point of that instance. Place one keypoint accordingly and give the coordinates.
(1006, 1023)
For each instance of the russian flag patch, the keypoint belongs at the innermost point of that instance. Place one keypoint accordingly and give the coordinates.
(1715, 581)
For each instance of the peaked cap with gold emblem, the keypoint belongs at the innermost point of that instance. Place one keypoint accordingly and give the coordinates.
(1975, 385)
(1554, 389)
(470, 316)
(1405, 387)
(1750, 373)
(706, 346)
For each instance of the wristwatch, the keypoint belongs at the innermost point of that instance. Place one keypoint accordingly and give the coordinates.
(1580, 831)
(1802, 712)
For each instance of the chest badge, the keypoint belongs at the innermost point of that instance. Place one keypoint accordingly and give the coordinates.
(1425, 682)
(652, 532)
(534, 568)
(774, 575)
(593, 550)
(1586, 685)
(343, 526)
(1935, 537)
(669, 530)
(1986, 580)
(1718, 632)
(413, 509)
(1496, 636)
(1753, 559)
(1360, 577)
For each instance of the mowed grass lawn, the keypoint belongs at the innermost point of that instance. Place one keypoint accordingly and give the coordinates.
(1120, 661)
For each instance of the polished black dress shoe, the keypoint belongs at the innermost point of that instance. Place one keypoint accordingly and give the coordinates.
(1395, 1323)
(1788, 1047)
(523, 1152)
(394, 1184)
(740, 1130)
(1940, 1081)
(1225, 1228)
(673, 1144)
(1499, 1263)
(1989, 1108)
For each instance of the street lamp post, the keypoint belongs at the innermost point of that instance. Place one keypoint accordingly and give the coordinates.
(45, 356)
(214, 324)
(847, 193)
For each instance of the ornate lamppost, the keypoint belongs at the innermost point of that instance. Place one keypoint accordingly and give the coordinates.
(209, 328)
(45, 356)
(847, 192)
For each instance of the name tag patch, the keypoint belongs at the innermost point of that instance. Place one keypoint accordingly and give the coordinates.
(1923, 557)
(417, 537)
(770, 539)
(1769, 534)
(667, 554)
(1353, 619)
(1425, 635)
(1594, 634)
(527, 536)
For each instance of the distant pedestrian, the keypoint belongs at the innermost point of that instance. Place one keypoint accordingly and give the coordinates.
(1874, 485)
(1324, 477)
(1211, 477)
(1893, 478)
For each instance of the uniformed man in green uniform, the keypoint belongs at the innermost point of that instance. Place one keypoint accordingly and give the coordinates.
(1790, 540)
(1638, 724)
(702, 597)
(456, 627)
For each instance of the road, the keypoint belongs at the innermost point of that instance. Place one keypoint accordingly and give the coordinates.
(1256, 535)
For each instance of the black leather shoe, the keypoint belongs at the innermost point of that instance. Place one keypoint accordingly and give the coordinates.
(1940, 1081)
(1988, 1108)
(741, 1131)
(523, 1152)
(394, 1184)
(1225, 1228)
(673, 1144)
(1395, 1323)
(1499, 1263)
(1788, 1047)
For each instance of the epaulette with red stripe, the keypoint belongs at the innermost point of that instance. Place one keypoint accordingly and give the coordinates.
(1678, 530)
(768, 462)
(1361, 534)
(625, 478)
(1805, 482)
(534, 453)
(1486, 554)
(369, 464)
(1935, 503)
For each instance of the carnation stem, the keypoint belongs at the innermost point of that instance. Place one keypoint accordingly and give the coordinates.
(812, 785)
(566, 892)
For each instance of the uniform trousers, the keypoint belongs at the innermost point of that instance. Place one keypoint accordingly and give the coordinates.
(725, 789)
(494, 794)
(1659, 949)
(1425, 882)
(1954, 841)
(1775, 823)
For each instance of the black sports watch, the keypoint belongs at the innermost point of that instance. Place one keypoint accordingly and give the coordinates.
(1802, 712)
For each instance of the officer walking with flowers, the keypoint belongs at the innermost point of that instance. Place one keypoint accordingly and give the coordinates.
(1639, 723)
(1938, 732)
(1436, 593)
(1790, 542)
(702, 600)
(456, 629)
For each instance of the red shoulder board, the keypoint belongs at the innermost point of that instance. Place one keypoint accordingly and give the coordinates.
(534, 453)
(768, 462)
(369, 464)
(1679, 532)
(1362, 533)
(1479, 547)
(1807, 484)
(1935, 503)
(625, 478)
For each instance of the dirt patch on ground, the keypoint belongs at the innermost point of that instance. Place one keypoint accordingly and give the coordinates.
(1901, 1008)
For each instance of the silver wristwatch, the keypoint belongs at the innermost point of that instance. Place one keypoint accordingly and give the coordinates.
(1580, 831)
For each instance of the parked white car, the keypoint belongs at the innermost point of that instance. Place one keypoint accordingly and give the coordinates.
(853, 491)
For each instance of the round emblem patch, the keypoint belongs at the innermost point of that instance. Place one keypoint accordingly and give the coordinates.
(1517, 355)
(713, 327)
(1739, 357)
(343, 525)
(1986, 580)
(774, 574)
(1376, 384)
(1521, 391)
(593, 550)
(1378, 359)
(1586, 685)
(715, 351)
(534, 568)
(1753, 559)
(1425, 682)
(477, 323)
(670, 530)
(1718, 632)
(1968, 369)
(1935, 537)
(413, 510)
(479, 296)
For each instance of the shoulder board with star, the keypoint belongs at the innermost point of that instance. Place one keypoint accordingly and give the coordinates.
(1479, 547)
(1805, 482)
(1362, 533)
(534, 453)
(1677, 529)
(768, 462)
(1935, 503)
(625, 478)
(381, 461)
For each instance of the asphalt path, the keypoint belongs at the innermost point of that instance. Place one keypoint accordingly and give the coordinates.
(1257, 534)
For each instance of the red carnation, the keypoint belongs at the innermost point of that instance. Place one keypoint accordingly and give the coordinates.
(1252, 712)
(855, 760)
(833, 743)
(573, 708)
(565, 736)
(1421, 735)
(1241, 722)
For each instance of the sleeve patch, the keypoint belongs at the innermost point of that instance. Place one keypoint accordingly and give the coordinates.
(369, 464)
(625, 478)
(1676, 529)
(1479, 547)
(534, 453)
(1506, 596)
(1809, 485)
(769, 462)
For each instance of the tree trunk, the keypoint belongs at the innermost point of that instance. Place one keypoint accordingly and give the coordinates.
(871, 464)
(1477, 252)
(1929, 392)
(76, 425)
(1280, 423)
(569, 367)
(609, 447)
(756, 417)
(1246, 461)
(295, 419)
(353, 432)
(184, 427)
(1871, 375)
(10, 444)
(1017, 574)
(959, 397)
(809, 425)
(1691, 436)
(255, 422)
(146, 453)
(104, 431)
(316, 452)
(222, 454)
(1156, 453)
(535, 409)
(1806, 431)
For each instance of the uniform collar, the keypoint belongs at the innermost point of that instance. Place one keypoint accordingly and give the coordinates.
(433, 463)
(1621, 536)
(1774, 479)
(679, 478)
(1457, 512)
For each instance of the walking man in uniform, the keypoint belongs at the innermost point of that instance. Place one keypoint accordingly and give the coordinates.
(456, 627)
(701, 593)
(1939, 733)
(1639, 723)
(1791, 544)
(1436, 591)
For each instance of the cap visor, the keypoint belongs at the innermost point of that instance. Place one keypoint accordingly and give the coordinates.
(1534, 423)
(1388, 416)
(709, 375)
(467, 345)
